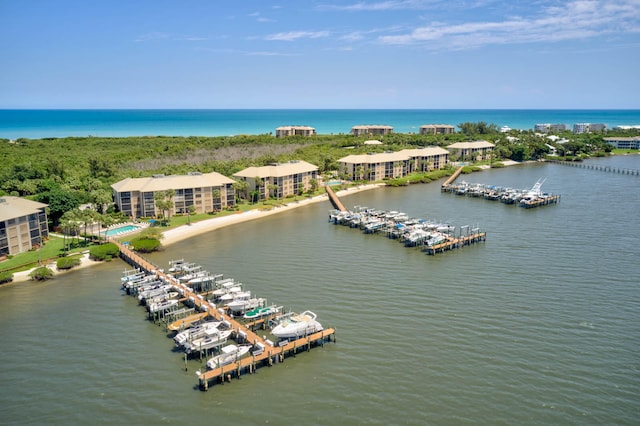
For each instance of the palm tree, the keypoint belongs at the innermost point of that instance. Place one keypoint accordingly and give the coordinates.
(217, 203)
(273, 190)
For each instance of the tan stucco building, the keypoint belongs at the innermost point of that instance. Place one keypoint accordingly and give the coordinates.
(23, 225)
(474, 151)
(390, 165)
(437, 129)
(295, 131)
(286, 179)
(371, 129)
(206, 192)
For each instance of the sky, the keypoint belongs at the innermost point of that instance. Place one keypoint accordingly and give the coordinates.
(431, 54)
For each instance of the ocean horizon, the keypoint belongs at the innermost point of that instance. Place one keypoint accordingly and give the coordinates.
(58, 123)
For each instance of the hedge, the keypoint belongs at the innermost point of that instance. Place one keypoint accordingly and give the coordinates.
(104, 251)
(145, 245)
(40, 274)
(67, 262)
(6, 277)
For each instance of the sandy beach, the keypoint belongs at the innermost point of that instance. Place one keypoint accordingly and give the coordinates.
(187, 231)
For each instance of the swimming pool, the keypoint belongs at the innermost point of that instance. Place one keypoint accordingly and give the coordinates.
(121, 230)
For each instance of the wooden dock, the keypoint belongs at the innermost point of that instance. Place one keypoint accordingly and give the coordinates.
(264, 352)
(597, 167)
(334, 199)
(267, 357)
(453, 243)
(553, 199)
(452, 178)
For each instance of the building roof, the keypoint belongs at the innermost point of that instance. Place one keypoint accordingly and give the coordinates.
(474, 144)
(277, 170)
(622, 138)
(295, 127)
(162, 182)
(372, 126)
(14, 207)
(385, 157)
(434, 126)
(372, 142)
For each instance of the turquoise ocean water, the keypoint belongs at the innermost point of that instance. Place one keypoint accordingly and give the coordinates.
(61, 123)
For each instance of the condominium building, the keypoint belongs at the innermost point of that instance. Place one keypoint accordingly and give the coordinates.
(295, 131)
(23, 225)
(588, 127)
(437, 129)
(624, 142)
(475, 151)
(550, 128)
(279, 179)
(391, 165)
(371, 129)
(206, 192)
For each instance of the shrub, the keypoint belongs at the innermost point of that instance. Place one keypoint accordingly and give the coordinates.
(6, 277)
(145, 245)
(67, 262)
(104, 251)
(41, 274)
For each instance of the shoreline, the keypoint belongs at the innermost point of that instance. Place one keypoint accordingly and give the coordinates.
(187, 231)
(184, 232)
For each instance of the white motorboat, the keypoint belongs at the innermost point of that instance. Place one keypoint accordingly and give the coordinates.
(162, 306)
(197, 332)
(297, 325)
(209, 342)
(162, 297)
(241, 305)
(228, 354)
(234, 293)
(151, 292)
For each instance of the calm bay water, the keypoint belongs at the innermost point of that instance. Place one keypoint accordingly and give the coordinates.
(538, 325)
(62, 123)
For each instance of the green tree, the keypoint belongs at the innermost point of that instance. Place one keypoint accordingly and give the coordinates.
(313, 185)
(41, 274)
(59, 201)
(217, 202)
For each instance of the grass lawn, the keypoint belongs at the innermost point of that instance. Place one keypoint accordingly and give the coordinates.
(51, 249)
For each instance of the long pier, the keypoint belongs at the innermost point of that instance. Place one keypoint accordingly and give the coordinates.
(337, 204)
(264, 353)
(598, 167)
(453, 177)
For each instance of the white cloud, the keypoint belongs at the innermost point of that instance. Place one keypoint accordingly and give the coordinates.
(572, 21)
(295, 35)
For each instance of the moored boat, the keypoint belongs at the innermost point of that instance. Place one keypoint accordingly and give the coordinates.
(188, 322)
(209, 342)
(262, 311)
(297, 325)
(228, 354)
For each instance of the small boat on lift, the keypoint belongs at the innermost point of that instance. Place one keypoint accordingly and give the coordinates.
(209, 342)
(228, 354)
(262, 312)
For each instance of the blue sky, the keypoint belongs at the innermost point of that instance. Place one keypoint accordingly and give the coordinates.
(320, 54)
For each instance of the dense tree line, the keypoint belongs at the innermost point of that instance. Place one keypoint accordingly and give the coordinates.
(67, 172)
